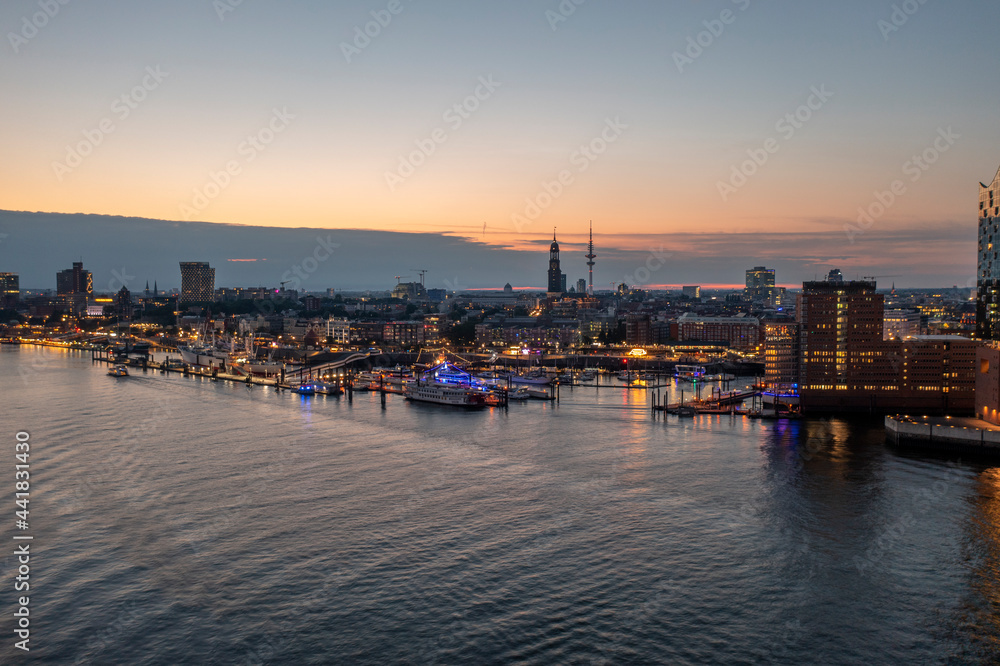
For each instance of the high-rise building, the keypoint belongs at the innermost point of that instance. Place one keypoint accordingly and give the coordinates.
(556, 279)
(845, 365)
(581, 286)
(197, 282)
(835, 276)
(988, 269)
(760, 286)
(10, 290)
(74, 281)
(841, 324)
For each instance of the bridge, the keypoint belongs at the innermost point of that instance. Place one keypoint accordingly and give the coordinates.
(337, 362)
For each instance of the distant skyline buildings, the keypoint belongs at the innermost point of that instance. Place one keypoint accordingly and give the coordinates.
(556, 278)
(197, 282)
(75, 280)
(10, 290)
(760, 287)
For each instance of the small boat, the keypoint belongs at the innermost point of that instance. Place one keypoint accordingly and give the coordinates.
(690, 373)
(118, 371)
(539, 394)
(327, 388)
(520, 393)
(587, 376)
(304, 389)
(536, 380)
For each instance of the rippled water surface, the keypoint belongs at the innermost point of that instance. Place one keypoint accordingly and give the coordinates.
(179, 520)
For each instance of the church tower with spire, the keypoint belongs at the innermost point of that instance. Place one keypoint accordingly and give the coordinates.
(555, 274)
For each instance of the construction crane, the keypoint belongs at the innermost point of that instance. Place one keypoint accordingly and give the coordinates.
(422, 273)
(400, 277)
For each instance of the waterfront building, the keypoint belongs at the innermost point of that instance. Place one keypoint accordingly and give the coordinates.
(556, 279)
(760, 286)
(197, 282)
(10, 290)
(781, 354)
(988, 264)
(845, 365)
(74, 280)
(736, 332)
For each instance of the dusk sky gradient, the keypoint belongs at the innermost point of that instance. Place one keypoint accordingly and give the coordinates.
(680, 133)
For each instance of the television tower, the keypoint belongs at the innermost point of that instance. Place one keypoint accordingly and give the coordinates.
(590, 257)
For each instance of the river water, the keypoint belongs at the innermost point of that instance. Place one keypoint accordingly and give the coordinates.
(177, 520)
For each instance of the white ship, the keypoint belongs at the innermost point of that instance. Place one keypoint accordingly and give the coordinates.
(445, 384)
(203, 356)
(445, 394)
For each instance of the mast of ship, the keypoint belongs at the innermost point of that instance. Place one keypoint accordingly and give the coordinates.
(590, 257)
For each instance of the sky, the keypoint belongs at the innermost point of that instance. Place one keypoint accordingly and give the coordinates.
(727, 133)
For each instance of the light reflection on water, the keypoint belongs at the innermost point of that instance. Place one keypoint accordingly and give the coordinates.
(181, 520)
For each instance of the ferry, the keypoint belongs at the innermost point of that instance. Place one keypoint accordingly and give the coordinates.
(118, 371)
(446, 384)
(445, 394)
